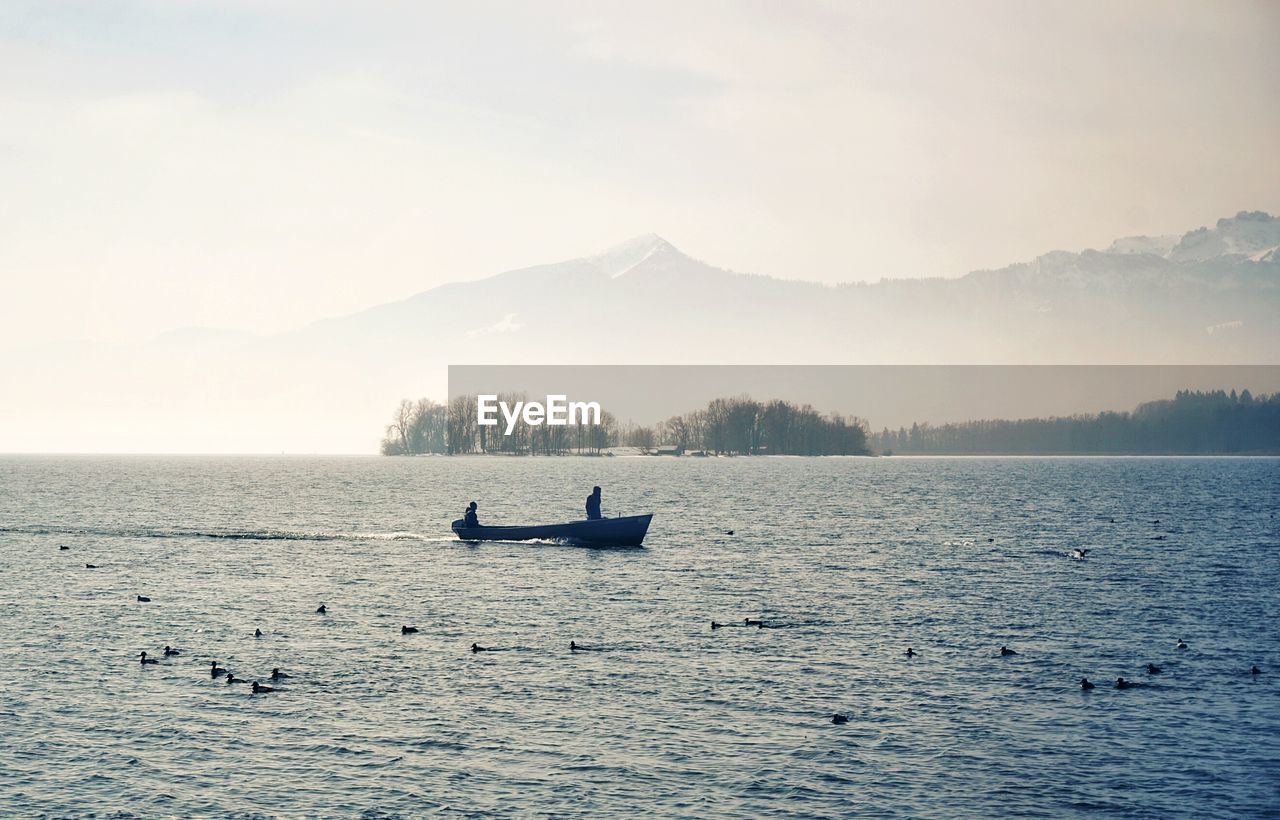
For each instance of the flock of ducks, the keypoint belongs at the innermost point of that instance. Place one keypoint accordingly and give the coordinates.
(216, 671)
(258, 688)
(1085, 683)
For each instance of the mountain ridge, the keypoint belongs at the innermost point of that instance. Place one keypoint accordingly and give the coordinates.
(636, 253)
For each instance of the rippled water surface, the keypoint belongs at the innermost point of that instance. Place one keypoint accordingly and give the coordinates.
(848, 561)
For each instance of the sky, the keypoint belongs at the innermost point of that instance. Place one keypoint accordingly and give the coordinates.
(260, 165)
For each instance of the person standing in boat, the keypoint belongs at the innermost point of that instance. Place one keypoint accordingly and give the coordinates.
(593, 504)
(470, 518)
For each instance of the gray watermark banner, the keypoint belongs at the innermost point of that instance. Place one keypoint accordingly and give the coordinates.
(890, 396)
(862, 410)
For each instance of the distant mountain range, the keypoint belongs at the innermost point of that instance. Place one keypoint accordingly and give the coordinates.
(1211, 296)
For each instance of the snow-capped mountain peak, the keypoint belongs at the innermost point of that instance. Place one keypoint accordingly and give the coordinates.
(621, 259)
(1245, 234)
(1249, 233)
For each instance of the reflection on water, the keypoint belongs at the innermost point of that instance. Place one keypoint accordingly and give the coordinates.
(846, 562)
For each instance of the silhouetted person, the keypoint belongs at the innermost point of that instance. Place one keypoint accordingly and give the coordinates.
(470, 518)
(593, 504)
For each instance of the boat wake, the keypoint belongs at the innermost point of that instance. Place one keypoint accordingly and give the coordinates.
(225, 534)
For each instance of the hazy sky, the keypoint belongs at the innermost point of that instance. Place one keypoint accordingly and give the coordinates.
(257, 165)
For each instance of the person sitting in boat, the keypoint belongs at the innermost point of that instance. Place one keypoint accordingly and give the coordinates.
(593, 504)
(469, 518)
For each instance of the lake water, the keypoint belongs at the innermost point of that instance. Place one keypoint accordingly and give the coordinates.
(848, 561)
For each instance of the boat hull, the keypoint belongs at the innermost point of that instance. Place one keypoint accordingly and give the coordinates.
(627, 531)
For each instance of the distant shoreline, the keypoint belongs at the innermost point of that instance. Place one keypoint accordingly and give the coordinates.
(376, 456)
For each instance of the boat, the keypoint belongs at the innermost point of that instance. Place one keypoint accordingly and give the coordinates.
(624, 531)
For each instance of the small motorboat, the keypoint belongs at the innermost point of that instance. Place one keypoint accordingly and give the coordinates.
(626, 531)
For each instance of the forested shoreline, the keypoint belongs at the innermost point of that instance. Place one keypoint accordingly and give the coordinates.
(1191, 423)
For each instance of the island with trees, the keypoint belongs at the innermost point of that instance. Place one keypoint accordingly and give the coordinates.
(726, 426)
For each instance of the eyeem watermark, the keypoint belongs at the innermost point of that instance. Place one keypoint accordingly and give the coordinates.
(557, 412)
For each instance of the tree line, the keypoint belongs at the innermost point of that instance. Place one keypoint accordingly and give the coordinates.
(424, 426)
(727, 426)
(1191, 423)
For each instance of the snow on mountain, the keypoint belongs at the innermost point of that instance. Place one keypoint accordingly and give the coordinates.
(1245, 234)
(1158, 245)
(1248, 233)
(621, 259)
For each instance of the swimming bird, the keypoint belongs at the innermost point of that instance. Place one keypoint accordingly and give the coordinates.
(142, 599)
(1113, 521)
(911, 653)
(1181, 644)
(1255, 671)
(1152, 669)
(408, 630)
(573, 647)
(715, 625)
(1159, 538)
(1006, 652)
(169, 651)
(259, 689)
(752, 622)
(475, 647)
(90, 566)
(63, 547)
(257, 633)
(1121, 683)
(144, 659)
(320, 610)
(1079, 553)
(276, 674)
(991, 540)
(838, 719)
(1085, 685)
(231, 678)
(216, 671)
(728, 532)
